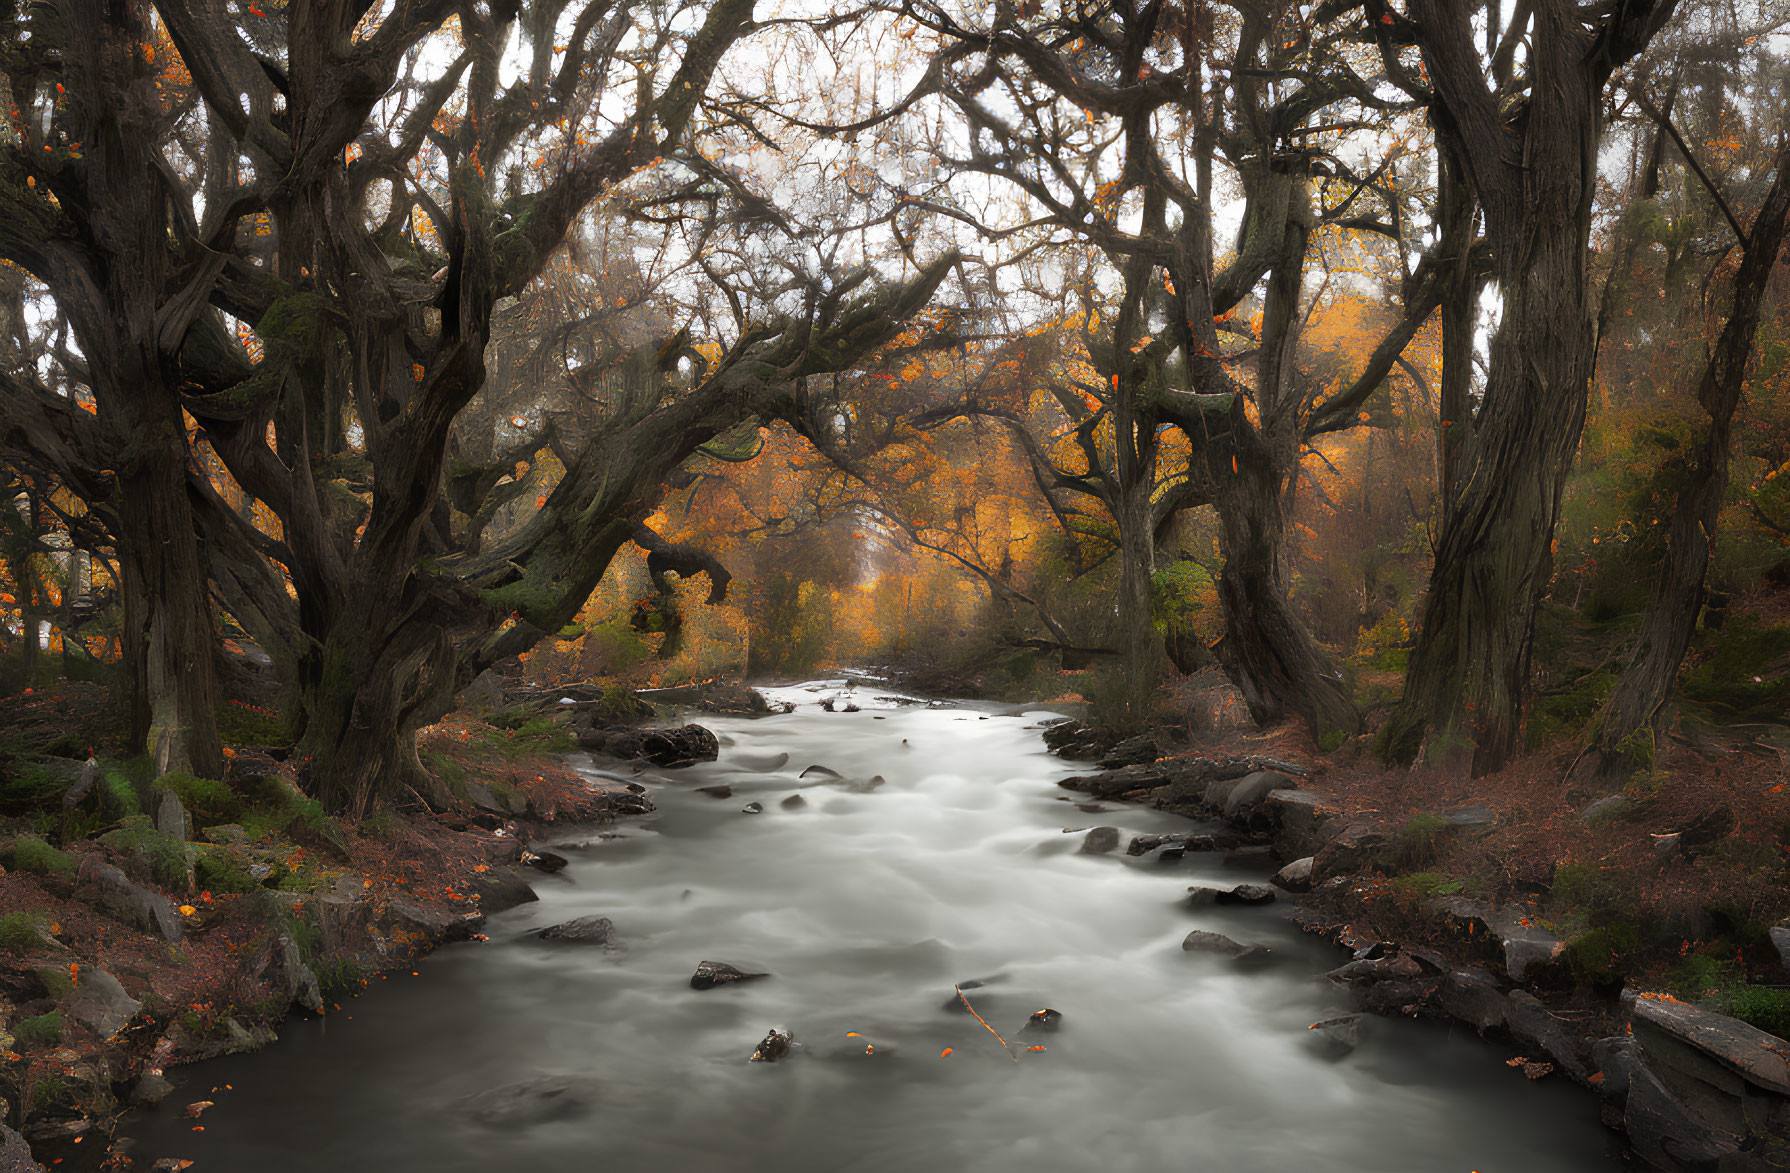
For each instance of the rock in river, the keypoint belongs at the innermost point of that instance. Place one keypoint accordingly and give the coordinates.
(1237, 894)
(540, 1100)
(545, 861)
(1201, 941)
(1100, 841)
(710, 974)
(716, 791)
(753, 808)
(774, 1047)
(586, 930)
(793, 802)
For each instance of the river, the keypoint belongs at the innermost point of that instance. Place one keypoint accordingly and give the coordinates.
(866, 905)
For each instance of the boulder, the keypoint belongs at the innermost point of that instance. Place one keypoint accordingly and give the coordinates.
(1044, 1020)
(15, 1154)
(296, 979)
(793, 802)
(415, 927)
(710, 974)
(1299, 818)
(1528, 949)
(1780, 939)
(1472, 996)
(1247, 894)
(1251, 790)
(501, 889)
(1350, 850)
(1133, 751)
(101, 1003)
(1100, 840)
(149, 1090)
(1615, 1061)
(1296, 876)
(1708, 1045)
(774, 1047)
(663, 747)
(1610, 806)
(1527, 1019)
(108, 888)
(586, 930)
(540, 1100)
(716, 791)
(545, 861)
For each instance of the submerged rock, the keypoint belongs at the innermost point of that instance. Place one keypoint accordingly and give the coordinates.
(545, 861)
(662, 747)
(820, 771)
(793, 802)
(752, 808)
(149, 1090)
(586, 930)
(1186, 841)
(710, 974)
(541, 1100)
(1045, 1019)
(716, 791)
(1336, 1037)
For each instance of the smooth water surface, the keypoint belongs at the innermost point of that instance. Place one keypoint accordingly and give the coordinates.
(866, 906)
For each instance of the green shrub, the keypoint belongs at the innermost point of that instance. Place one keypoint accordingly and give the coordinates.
(1420, 885)
(534, 736)
(1416, 844)
(1566, 713)
(1735, 675)
(1763, 1007)
(21, 932)
(118, 795)
(219, 871)
(45, 1030)
(35, 788)
(31, 854)
(161, 857)
(207, 800)
(1600, 955)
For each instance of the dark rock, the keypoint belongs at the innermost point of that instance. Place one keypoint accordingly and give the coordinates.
(1251, 790)
(541, 1100)
(752, 808)
(1371, 970)
(1529, 1020)
(1187, 841)
(1078, 742)
(1133, 751)
(411, 924)
(1296, 876)
(1529, 951)
(760, 765)
(1615, 1061)
(820, 772)
(586, 930)
(793, 802)
(107, 887)
(1780, 939)
(1045, 1020)
(1668, 845)
(149, 1090)
(1100, 840)
(501, 889)
(774, 1047)
(101, 1003)
(1247, 894)
(1200, 941)
(1671, 1135)
(710, 974)
(1710, 827)
(716, 791)
(1336, 1037)
(1472, 996)
(1711, 1047)
(15, 1154)
(545, 861)
(1299, 818)
(1350, 850)
(663, 747)
(294, 978)
(1249, 855)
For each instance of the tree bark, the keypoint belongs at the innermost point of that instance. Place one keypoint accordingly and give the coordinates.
(1465, 686)
(1626, 737)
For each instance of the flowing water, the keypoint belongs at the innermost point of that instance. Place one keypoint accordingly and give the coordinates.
(866, 905)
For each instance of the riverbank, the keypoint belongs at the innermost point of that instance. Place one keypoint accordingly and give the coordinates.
(194, 931)
(1623, 958)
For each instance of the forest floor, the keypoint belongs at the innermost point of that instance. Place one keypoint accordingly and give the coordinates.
(123, 954)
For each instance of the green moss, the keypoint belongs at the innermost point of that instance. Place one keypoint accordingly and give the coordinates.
(1419, 885)
(537, 735)
(45, 1030)
(207, 800)
(1567, 713)
(238, 725)
(1735, 676)
(219, 871)
(119, 795)
(1331, 740)
(21, 932)
(31, 854)
(35, 788)
(55, 980)
(161, 857)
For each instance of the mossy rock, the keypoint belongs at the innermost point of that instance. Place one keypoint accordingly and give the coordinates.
(147, 852)
(21, 932)
(31, 854)
(206, 800)
(220, 871)
(45, 1030)
(54, 979)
